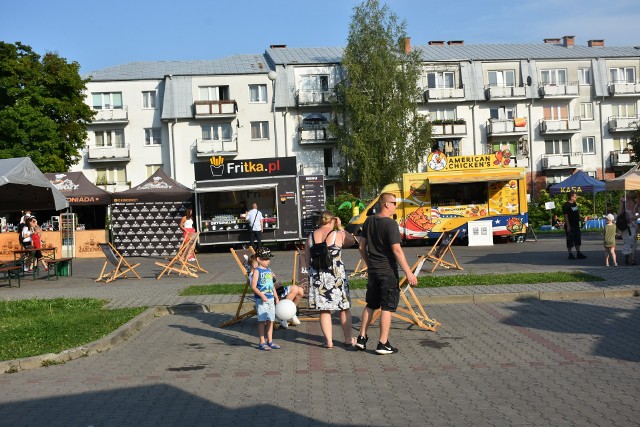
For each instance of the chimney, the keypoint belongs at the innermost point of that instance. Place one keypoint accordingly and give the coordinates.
(278, 46)
(436, 43)
(552, 41)
(594, 43)
(567, 41)
(405, 44)
(455, 42)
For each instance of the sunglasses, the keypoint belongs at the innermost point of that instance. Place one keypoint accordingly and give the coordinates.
(393, 203)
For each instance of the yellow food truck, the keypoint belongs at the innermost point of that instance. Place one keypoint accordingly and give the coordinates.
(455, 191)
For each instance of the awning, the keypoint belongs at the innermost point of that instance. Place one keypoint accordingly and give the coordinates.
(478, 175)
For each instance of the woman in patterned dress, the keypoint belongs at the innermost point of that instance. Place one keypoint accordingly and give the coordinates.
(329, 290)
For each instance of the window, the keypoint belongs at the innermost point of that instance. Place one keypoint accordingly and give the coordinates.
(622, 75)
(554, 77)
(556, 112)
(586, 111)
(624, 110)
(112, 175)
(589, 145)
(512, 146)
(214, 93)
(557, 146)
(149, 99)
(110, 138)
(504, 78)
(555, 177)
(621, 144)
(259, 130)
(319, 83)
(153, 136)
(443, 114)
(444, 79)
(502, 113)
(217, 131)
(107, 100)
(151, 169)
(258, 93)
(584, 76)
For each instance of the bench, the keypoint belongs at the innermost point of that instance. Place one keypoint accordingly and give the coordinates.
(11, 271)
(53, 264)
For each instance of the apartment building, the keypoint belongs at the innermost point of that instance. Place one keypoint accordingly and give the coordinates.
(552, 107)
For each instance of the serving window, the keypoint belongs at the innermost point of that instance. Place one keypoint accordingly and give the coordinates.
(470, 193)
(224, 209)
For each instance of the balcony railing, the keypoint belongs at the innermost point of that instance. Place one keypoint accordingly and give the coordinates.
(112, 115)
(113, 187)
(567, 90)
(109, 154)
(319, 169)
(503, 92)
(453, 129)
(624, 89)
(443, 94)
(225, 108)
(623, 124)
(561, 161)
(209, 147)
(516, 126)
(315, 134)
(571, 125)
(314, 97)
(621, 158)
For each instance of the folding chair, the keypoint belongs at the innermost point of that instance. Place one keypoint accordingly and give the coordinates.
(121, 266)
(440, 248)
(180, 262)
(360, 270)
(241, 256)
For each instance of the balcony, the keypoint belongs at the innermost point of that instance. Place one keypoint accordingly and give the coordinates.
(440, 128)
(558, 91)
(623, 124)
(443, 94)
(500, 93)
(108, 154)
(331, 172)
(314, 97)
(624, 89)
(111, 116)
(549, 127)
(621, 158)
(208, 109)
(517, 126)
(561, 161)
(315, 134)
(210, 147)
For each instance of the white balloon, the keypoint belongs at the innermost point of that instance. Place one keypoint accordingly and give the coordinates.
(285, 309)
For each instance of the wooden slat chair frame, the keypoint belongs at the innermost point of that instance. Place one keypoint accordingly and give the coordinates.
(440, 248)
(360, 270)
(239, 256)
(121, 266)
(301, 278)
(180, 262)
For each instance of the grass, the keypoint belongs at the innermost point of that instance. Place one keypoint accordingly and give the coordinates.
(34, 327)
(430, 281)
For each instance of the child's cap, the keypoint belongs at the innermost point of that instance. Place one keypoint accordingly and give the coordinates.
(264, 253)
(611, 218)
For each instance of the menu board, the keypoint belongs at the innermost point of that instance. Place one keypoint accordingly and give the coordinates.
(312, 201)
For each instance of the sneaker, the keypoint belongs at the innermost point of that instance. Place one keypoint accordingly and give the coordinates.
(283, 323)
(295, 320)
(386, 348)
(571, 256)
(361, 343)
(581, 255)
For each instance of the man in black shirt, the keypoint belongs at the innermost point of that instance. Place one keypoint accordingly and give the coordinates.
(572, 225)
(380, 249)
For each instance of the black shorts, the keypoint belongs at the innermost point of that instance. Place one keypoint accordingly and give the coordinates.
(383, 290)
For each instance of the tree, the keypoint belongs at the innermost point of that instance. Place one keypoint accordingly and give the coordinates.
(635, 144)
(378, 128)
(42, 110)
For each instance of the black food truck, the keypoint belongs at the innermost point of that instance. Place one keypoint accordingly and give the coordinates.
(225, 189)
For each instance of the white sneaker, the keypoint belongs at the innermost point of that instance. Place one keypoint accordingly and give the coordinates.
(295, 320)
(283, 323)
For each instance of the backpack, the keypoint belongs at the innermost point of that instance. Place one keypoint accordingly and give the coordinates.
(20, 227)
(321, 259)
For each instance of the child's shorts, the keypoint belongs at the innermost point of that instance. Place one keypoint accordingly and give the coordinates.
(266, 310)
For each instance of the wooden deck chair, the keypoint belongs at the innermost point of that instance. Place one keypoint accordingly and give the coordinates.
(241, 256)
(179, 263)
(440, 248)
(360, 270)
(301, 278)
(121, 266)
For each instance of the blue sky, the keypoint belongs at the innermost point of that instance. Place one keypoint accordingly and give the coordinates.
(103, 34)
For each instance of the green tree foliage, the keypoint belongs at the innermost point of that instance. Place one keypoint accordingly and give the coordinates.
(377, 126)
(333, 202)
(605, 202)
(635, 144)
(42, 110)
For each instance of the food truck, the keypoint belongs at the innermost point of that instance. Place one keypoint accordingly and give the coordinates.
(454, 192)
(226, 188)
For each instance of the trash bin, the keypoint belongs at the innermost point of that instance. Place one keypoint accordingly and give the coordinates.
(63, 268)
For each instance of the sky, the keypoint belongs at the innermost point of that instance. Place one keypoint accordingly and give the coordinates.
(103, 34)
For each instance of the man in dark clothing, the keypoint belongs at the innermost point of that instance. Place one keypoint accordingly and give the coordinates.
(380, 249)
(572, 225)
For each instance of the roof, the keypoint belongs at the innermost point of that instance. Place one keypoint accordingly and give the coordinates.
(305, 55)
(78, 189)
(23, 186)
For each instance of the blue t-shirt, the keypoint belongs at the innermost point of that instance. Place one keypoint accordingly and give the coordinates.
(265, 282)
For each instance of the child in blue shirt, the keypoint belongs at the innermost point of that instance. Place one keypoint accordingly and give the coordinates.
(266, 298)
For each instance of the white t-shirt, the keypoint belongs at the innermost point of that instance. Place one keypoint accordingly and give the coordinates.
(255, 217)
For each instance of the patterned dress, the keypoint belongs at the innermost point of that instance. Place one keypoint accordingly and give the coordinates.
(329, 290)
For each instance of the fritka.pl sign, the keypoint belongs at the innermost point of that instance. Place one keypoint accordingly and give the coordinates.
(220, 168)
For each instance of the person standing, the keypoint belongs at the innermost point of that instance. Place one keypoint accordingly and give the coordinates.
(254, 219)
(571, 213)
(381, 251)
(186, 225)
(264, 294)
(610, 241)
(630, 209)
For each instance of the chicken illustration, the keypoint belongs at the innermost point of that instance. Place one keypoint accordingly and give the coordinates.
(418, 221)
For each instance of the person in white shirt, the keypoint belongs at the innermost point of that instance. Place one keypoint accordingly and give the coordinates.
(186, 225)
(254, 219)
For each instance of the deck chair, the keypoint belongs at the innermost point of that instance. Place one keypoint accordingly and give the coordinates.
(121, 266)
(440, 248)
(360, 270)
(240, 257)
(180, 262)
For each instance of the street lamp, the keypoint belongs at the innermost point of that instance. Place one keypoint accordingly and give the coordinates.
(272, 75)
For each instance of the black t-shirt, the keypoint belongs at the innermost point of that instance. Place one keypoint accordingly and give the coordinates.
(381, 233)
(573, 214)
